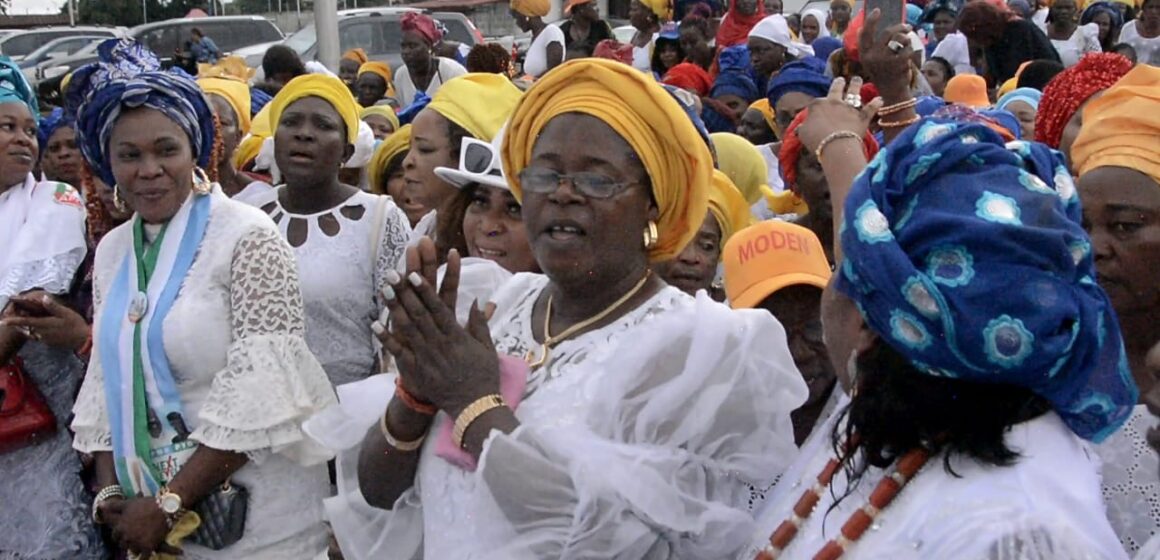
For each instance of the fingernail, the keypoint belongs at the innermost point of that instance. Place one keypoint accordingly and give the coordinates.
(385, 316)
(393, 277)
(415, 279)
(389, 292)
(377, 327)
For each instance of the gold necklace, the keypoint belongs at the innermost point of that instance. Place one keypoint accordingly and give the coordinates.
(550, 341)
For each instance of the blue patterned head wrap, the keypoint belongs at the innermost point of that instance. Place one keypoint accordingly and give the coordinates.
(735, 83)
(258, 100)
(1005, 119)
(825, 46)
(129, 76)
(14, 87)
(967, 257)
(804, 76)
(55, 121)
(928, 104)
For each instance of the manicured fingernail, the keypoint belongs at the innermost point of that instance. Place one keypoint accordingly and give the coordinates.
(377, 327)
(393, 277)
(385, 316)
(415, 279)
(388, 292)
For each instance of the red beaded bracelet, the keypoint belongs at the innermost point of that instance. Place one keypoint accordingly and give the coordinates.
(411, 402)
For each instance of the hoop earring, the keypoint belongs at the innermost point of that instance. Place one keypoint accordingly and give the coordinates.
(651, 235)
(119, 202)
(201, 183)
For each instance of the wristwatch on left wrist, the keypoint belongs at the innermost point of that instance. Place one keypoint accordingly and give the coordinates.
(170, 504)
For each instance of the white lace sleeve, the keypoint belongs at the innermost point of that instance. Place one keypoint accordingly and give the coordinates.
(396, 233)
(686, 416)
(271, 382)
(90, 425)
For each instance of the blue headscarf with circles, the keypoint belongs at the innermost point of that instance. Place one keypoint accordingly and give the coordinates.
(14, 87)
(967, 257)
(129, 76)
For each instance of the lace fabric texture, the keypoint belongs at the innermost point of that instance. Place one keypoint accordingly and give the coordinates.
(247, 380)
(1033, 510)
(1130, 485)
(637, 440)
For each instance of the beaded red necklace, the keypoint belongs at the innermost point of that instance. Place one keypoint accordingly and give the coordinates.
(887, 489)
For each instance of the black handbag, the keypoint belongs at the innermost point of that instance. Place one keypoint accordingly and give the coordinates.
(223, 517)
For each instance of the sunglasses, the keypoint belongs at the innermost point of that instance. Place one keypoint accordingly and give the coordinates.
(478, 157)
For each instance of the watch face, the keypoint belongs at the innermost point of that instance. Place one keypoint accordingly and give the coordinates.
(170, 503)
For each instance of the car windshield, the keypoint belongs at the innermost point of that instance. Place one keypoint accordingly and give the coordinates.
(56, 45)
(302, 40)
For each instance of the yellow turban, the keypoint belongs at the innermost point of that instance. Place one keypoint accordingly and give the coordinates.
(532, 8)
(357, 55)
(741, 161)
(675, 156)
(237, 93)
(478, 102)
(324, 87)
(228, 67)
(1121, 128)
(397, 143)
(385, 111)
(662, 8)
(762, 106)
(727, 206)
(382, 70)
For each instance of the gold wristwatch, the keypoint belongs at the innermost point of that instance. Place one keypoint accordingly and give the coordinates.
(170, 504)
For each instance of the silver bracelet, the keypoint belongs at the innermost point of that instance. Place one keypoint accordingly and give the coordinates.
(110, 491)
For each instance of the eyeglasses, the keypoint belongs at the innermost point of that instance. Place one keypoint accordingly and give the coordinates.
(479, 157)
(592, 185)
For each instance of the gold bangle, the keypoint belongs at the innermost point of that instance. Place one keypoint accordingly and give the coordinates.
(899, 124)
(472, 413)
(399, 445)
(897, 107)
(831, 138)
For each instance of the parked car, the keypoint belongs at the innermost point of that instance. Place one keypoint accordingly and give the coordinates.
(20, 44)
(57, 48)
(376, 30)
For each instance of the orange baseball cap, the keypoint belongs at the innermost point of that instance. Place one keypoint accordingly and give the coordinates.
(969, 90)
(766, 257)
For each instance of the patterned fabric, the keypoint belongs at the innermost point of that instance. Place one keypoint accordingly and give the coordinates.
(55, 120)
(14, 88)
(967, 256)
(128, 76)
(423, 25)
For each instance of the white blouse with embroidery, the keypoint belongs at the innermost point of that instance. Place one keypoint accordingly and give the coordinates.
(1131, 481)
(234, 339)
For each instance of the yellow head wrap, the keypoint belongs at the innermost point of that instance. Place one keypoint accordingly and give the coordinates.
(662, 8)
(358, 55)
(762, 106)
(785, 202)
(1008, 87)
(382, 70)
(675, 156)
(249, 147)
(228, 67)
(385, 111)
(532, 8)
(389, 149)
(322, 86)
(237, 93)
(478, 102)
(741, 161)
(727, 206)
(1121, 128)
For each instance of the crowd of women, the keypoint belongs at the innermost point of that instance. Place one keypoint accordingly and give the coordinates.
(748, 286)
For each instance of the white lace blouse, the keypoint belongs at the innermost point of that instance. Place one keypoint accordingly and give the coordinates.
(234, 341)
(1046, 506)
(341, 266)
(637, 440)
(1130, 481)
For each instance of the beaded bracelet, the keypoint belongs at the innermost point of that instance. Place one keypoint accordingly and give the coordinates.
(413, 403)
(899, 124)
(393, 442)
(110, 491)
(897, 107)
(831, 138)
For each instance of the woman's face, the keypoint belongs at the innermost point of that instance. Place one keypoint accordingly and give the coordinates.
(753, 127)
(1062, 11)
(1104, 22)
(1150, 13)
(696, 266)
(310, 142)
(371, 88)
(640, 16)
(380, 126)
(415, 51)
(576, 238)
(348, 72)
(815, 191)
(773, 7)
(811, 27)
(839, 12)
(766, 56)
(395, 187)
(670, 55)
(494, 230)
(944, 24)
(692, 40)
(62, 158)
(737, 106)
(430, 148)
(936, 76)
(1073, 126)
(153, 163)
(18, 144)
(788, 106)
(1121, 211)
(798, 309)
(1026, 115)
(746, 7)
(228, 121)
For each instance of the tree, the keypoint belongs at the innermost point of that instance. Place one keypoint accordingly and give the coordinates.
(128, 13)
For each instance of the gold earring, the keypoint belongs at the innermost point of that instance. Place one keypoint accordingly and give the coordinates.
(651, 235)
(201, 182)
(119, 202)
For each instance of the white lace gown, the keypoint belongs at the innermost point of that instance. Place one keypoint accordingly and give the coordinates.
(1131, 481)
(341, 266)
(637, 440)
(1046, 506)
(1084, 40)
(234, 339)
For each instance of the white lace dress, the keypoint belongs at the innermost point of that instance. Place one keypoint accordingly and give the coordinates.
(1045, 507)
(234, 342)
(341, 265)
(1131, 481)
(1084, 40)
(637, 440)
